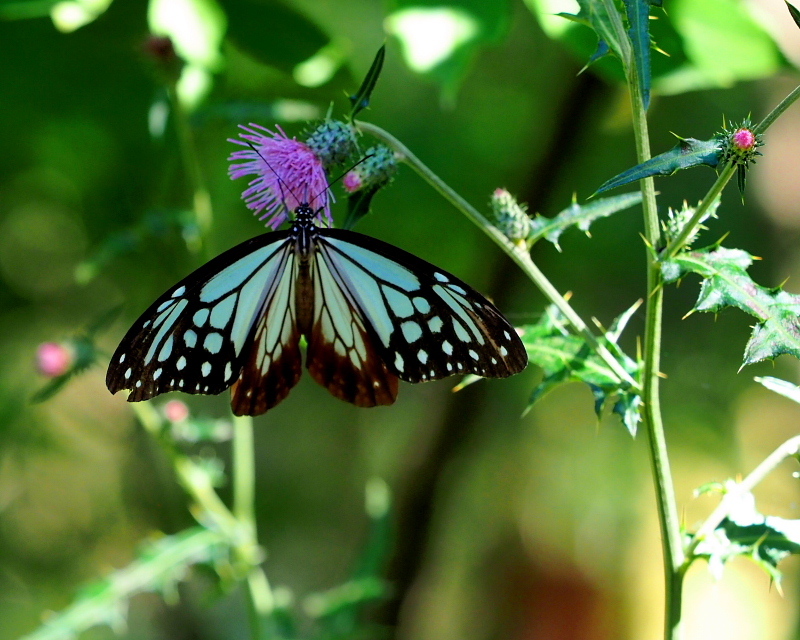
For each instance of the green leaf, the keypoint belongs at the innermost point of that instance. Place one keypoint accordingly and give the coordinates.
(638, 12)
(361, 98)
(726, 284)
(565, 357)
(784, 388)
(794, 13)
(605, 19)
(273, 33)
(581, 216)
(159, 567)
(724, 43)
(462, 29)
(745, 532)
(359, 204)
(689, 152)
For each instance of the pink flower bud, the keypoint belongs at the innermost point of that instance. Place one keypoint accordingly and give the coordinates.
(54, 359)
(176, 411)
(744, 139)
(352, 181)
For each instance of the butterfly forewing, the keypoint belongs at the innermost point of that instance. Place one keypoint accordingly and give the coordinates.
(195, 337)
(426, 323)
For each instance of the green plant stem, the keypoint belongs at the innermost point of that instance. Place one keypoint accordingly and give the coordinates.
(651, 409)
(679, 242)
(201, 200)
(517, 253)
(765, 124)
(238, 527)
(789, 448)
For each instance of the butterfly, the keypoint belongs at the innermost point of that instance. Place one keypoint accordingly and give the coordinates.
(370, 314)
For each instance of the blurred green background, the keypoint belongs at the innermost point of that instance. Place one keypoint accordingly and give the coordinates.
(534, 527)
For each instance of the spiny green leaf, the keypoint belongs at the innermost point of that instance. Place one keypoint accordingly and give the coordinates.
(581, 216)
(160, 563)
(745, 532)
(360, 100)
(565, 357)
(605, 19)
(687, 153)
(727, 284)
(638, 12)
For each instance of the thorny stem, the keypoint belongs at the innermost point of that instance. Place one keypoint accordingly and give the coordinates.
(651, 406)
(517, 254)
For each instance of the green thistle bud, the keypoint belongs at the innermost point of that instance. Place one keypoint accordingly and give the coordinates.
(333, 142)
(378, 168)
(510, 216)
(740, 147)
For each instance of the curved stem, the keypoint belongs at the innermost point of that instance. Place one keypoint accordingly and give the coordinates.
(789, 448)
(515, 252)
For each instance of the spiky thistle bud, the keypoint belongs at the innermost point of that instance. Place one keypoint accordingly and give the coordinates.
(377, 168)
(740, 147)
(333, 142)
(510, 216)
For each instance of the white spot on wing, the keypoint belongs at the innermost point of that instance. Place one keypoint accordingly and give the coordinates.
(398, 362)
(128, 372)
(503, 351)
(200, 317)
(422, 305)
(447, 348)
(121, 358)
(473, 354)
(205, 369)
(411, 331)
(228, 371)
(166, 350)
(213, 342)
(178, 292)
(422, 355)
(221, 313)
(157, 374)
(190, 338)
(398, 302)
(181, 363)
(435, 324)
(441, 277)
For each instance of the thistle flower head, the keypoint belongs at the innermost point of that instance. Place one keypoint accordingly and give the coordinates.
(54, 359)
(287, 174)
(740, 147)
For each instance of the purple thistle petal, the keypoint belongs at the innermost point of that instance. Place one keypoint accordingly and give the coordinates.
(288, 174)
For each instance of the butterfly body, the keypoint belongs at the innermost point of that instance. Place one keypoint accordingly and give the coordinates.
(370, 314)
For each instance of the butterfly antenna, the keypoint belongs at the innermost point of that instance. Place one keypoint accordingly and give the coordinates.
(281, 182)
(344, 173)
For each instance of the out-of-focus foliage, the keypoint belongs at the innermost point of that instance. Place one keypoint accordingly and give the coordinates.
(499, 526)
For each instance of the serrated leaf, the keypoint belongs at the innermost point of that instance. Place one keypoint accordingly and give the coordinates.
(726, 284)
(360, 100)
(745, 532)
(689, 152)
(604, 18)
(638, 12)
(105, 601)
(581, 216)
(565, 357)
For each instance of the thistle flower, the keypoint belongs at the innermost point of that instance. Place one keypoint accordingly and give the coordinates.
(740, 147)
(54, 359)
(288, 174)
(176, 411)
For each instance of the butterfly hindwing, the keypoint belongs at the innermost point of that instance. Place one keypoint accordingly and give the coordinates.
(341, 354)
(426, 323)
(194, 337)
